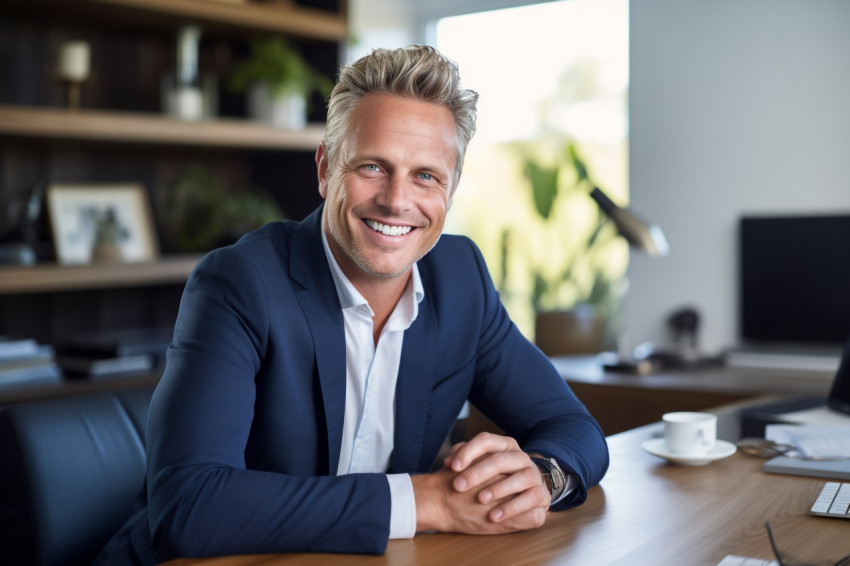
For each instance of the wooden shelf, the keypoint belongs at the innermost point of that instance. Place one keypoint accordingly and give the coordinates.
(53, 277)
(271, 16)
(97, 125)
(69, 387)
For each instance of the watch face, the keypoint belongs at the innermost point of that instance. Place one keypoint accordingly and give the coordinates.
(547, 468)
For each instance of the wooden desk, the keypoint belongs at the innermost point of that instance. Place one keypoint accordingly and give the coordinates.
(644, 513)
(622, 401)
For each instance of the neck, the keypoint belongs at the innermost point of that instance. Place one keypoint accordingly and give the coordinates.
(383, 296)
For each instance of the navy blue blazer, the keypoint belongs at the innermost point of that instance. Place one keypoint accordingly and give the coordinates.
(245, 426)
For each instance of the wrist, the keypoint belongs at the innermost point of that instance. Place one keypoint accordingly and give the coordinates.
(426, 496)
(552, 475)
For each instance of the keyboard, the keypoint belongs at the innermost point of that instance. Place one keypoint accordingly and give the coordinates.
(833, 501)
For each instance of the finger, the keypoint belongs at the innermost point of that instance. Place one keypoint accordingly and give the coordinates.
(535, 500)
(531, 519)
(491, 465)
(481, 444)
(513, 484)
(447, 461)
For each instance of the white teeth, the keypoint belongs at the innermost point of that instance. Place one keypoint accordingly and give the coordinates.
(388, 230)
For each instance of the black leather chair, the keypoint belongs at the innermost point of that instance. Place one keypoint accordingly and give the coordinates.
(70, 470)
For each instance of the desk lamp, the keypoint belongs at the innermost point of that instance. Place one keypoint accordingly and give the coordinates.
(645, 237)
(642, 236)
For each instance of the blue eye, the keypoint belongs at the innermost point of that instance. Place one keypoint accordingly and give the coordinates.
(371, 167)
(426, 176)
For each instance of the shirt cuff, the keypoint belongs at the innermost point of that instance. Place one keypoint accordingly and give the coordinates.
(402, 507)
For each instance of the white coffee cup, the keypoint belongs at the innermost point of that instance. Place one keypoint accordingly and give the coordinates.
(689, 433)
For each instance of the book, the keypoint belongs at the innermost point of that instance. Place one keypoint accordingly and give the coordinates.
(30, 374)
(17, 348)
(101, 367)
(122, 343)
(40, 354)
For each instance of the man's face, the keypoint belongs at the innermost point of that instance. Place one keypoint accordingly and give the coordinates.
(390, 189)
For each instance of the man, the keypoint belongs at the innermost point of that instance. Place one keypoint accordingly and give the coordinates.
(317, 367)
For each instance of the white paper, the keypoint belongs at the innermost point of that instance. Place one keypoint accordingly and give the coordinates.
(733, 560)
(812, 441)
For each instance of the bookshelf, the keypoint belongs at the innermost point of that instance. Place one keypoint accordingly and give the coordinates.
(45, 278)
(236, 16)
(127, 127)
(120, 135)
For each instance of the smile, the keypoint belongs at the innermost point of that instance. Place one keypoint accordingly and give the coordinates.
(388, 230)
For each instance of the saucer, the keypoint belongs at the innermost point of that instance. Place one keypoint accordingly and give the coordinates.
(721, 449)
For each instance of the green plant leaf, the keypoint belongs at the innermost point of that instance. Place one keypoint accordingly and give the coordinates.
(578, 163)
(279, 64)
(539, 289)
(544, 187)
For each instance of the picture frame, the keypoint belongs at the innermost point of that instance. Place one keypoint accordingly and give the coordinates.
(101, 222)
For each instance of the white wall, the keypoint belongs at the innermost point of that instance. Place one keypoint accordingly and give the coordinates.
(397, 23)
(735, 107)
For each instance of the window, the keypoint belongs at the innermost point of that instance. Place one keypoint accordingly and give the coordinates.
(551, 77)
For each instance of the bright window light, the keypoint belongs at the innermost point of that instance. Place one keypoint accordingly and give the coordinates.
(549, 76)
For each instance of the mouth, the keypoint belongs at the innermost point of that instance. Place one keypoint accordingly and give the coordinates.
(388, 229)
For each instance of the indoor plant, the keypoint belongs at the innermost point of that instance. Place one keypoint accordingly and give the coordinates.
(278, 81)
(574, 289)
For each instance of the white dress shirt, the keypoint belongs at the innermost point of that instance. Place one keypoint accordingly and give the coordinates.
(371, 374)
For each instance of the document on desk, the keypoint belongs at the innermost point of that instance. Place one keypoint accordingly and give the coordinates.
(812, 441)
(733, 560)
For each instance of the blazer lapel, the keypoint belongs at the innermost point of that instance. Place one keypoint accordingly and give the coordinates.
(321, 308)
(413, 389)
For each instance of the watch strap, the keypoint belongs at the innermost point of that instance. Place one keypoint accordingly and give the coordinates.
(553, 476)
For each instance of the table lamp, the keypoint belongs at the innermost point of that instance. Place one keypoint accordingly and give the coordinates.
(642, 236)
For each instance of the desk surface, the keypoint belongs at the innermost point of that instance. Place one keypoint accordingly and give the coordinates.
(720, 379)
(645, 512)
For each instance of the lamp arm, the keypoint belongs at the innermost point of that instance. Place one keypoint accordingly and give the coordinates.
(640, 234)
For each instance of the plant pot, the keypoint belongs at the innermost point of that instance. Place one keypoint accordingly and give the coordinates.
(566, 332)
(287, 111)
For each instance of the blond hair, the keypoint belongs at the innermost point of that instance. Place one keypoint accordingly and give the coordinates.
(419, 72)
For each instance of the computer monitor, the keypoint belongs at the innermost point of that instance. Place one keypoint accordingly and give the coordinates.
(795, 280)
(839, 394)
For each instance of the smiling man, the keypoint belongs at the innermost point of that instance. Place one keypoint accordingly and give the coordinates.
(317, 367)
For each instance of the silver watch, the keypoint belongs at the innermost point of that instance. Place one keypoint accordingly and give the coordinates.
(553, 476)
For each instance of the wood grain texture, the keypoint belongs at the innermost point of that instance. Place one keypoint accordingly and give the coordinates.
(281, 17)
(645, 512)
(130, 127)
(52, 277)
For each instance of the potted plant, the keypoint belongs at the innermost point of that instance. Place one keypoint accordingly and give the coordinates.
(574, 289)
(199, 213)
(278, 81)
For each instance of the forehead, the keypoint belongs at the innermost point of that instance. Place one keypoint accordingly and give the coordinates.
(396, 127)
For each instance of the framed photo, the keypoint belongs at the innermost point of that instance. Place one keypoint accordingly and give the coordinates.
(101, 222)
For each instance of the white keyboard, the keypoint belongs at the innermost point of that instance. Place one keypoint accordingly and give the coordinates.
(833, 501)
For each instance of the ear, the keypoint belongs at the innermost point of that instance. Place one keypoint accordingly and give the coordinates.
(322, 170)
(452, 193)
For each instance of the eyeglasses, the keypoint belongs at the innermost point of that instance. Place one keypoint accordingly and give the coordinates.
(783, 561)
(761, 448)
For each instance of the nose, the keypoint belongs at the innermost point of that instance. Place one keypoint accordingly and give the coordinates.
(396, 194)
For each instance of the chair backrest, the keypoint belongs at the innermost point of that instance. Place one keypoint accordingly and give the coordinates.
(70, 471)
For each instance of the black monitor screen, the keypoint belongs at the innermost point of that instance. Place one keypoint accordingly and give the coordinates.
(795, 279)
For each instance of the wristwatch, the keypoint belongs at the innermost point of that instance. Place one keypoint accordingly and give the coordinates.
(553, 476)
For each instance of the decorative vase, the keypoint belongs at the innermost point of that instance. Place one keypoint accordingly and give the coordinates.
(287, 110)
(567, 332)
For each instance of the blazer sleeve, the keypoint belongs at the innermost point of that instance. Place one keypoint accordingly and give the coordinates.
(202, 500)
(519, 389)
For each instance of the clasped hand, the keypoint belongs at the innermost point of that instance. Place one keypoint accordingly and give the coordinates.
(487, 485)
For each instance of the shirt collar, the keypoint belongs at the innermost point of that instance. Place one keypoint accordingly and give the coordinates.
(350, 297)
